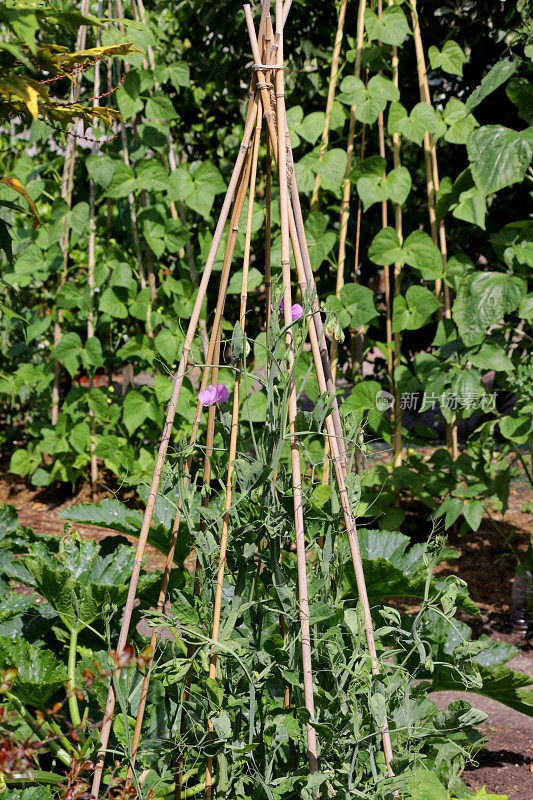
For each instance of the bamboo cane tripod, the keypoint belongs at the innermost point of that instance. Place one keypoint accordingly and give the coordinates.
(265, 110)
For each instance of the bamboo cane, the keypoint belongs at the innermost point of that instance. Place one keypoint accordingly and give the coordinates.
(294, 442)
(268, 294)
(438, 230)
(281, 159)
(268, 190)
(234, 432)
(170, 556)
(66, 194)
(178, 381)
(356, 336)
(346, 184)
(213, 353)
(315, 197)
(90, 270)
(386, 268)
(397, 413)
(348, 517)
(297, 233)
(212, 359)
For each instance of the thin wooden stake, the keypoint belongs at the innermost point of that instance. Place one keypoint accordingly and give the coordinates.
(315, 197)
(386, 268)
(345, 207)
(66, 194)
(351, 529)
(346, 184)
(396, 414)
(233, 436)
(212, 359)
(91, 260)
(438, 230)
(165, 438)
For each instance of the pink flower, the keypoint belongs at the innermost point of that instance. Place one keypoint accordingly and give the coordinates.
(296, 309)
(213, 394)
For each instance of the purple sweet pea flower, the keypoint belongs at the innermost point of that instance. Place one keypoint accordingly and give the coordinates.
(213, 394)
(296, 309)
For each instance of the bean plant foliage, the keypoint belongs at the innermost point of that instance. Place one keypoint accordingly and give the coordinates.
(98, 282)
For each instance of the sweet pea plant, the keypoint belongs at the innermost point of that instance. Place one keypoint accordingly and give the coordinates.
(110, 277)
(255, 703)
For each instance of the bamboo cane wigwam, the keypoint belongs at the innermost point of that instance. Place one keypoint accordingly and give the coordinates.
(265, 112)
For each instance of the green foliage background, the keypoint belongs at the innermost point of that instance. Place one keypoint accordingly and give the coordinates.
(479, 62)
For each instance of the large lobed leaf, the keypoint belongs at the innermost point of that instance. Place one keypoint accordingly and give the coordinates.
(40, 673)
(392, 570)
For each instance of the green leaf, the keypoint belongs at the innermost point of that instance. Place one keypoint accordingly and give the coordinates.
(520, 92)
(68, 350)
(40, 673)
(392, 28)
(450, 59)
(159, 108)
(420, 252)
(255, 279)
(359, 302)
(167, 345)
(319, 240)
(237, 343)
(110, 303)
(483, 300)
(499, 73)
(422, 118)
(6, 241)
(422, 784)
(215, 692)
(492, 356)
(370, 100)
(473, 513)
(481, 794)
(128, 100)
(312, 126)
(332, 169)
(378, 709)
(375, 188)
(517, 428)
(196, 186)
(81, 579)
(492, 678)
(498, 157)
(415, 310)
(392, 570)
(179, 74)
(135, 410)
(122, 183)
(386, 248)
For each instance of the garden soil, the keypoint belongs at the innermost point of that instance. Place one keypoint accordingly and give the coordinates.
(505, 765)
